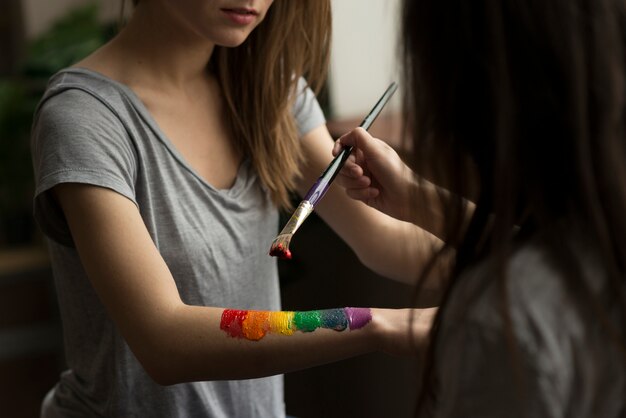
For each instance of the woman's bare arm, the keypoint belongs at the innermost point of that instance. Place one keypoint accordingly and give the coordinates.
(389, 246)
(176, 342)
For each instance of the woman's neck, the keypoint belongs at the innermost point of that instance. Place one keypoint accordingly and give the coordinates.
(154, 51)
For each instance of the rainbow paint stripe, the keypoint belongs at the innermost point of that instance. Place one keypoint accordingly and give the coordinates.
(254, 325)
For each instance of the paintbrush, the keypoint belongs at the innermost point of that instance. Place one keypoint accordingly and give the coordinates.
(280, 245)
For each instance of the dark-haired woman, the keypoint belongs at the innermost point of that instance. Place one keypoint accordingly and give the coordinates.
(521, 107)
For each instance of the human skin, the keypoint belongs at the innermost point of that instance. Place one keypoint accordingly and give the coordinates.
(376, 175)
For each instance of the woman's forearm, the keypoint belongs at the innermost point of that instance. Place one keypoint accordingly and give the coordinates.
(176, 342)
(200, 343)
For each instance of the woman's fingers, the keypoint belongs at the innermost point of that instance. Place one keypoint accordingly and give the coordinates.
(349, 181)
(360, 158)
(352, 167)
(337, 147)
(358, 187)
(355, 176)
(358, 138)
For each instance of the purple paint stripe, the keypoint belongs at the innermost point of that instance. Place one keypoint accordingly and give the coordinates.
(358, 317)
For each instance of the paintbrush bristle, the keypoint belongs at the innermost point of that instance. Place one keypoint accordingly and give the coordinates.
(280, 247)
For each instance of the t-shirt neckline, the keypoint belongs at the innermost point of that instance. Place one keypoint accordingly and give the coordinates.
(154, 126)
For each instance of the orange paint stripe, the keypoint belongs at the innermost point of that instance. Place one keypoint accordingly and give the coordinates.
(256, 325)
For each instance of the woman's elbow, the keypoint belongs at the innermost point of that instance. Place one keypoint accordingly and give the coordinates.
(163, 368)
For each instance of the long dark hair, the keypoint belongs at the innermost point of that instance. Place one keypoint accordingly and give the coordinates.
(520, 104)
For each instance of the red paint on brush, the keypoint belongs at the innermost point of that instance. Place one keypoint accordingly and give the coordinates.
(282, 253)
(232, 322)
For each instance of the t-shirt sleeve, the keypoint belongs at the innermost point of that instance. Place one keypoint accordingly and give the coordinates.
(77, 138)
(306, 109)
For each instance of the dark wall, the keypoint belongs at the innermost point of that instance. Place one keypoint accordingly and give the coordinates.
(325, 273)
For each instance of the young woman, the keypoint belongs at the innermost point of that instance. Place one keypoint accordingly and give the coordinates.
(520, 105)
(161, 161)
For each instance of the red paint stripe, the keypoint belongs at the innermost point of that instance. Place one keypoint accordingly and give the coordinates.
(232, 322)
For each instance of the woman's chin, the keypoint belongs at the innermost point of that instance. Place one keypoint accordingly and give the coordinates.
(232, 40)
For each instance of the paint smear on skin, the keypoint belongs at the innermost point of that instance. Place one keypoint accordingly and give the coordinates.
(307, 321)
(281, 323)
(358, 317)
(232, 322)
(254, 325)
(334, 319)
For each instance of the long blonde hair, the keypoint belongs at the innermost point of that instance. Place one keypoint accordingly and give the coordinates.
(259, 78)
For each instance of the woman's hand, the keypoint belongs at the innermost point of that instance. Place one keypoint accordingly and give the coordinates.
(375, 174)
(388, 245)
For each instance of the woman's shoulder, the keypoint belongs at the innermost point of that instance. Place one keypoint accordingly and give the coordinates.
(83, 98)
(306, 109)
(542, 302)
(84, 89)
(552, 335)
(80, 109)
(534, 281)
(538, 299)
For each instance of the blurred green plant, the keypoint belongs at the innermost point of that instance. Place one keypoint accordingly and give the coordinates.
(69, 40)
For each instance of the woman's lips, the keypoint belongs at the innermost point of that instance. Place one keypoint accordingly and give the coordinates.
(241, 16)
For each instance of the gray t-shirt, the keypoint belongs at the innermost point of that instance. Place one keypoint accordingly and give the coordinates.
(565, 364)
(91, 129)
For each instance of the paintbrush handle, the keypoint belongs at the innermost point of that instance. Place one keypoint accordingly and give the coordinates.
(321, 186)
(378, 107)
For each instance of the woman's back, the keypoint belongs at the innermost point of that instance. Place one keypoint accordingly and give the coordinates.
(521, 106)
(552, 360)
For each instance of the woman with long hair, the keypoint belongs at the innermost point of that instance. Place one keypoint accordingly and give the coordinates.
(518, 107)
(161, 161)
